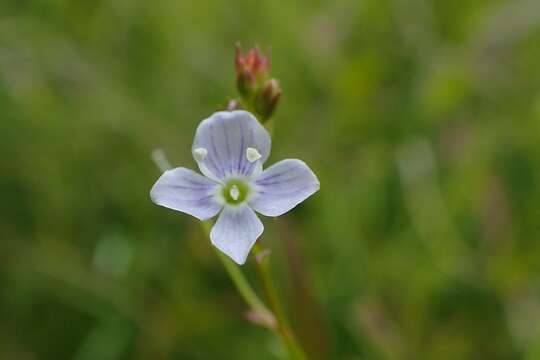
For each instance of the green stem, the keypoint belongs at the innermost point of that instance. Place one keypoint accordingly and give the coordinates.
(285, 331)
(240, 282)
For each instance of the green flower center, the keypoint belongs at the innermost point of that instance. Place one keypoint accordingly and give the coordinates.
(235, 191)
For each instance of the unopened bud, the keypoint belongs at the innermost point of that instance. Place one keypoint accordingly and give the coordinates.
(247, 84)
(268, 98)
(251, 70)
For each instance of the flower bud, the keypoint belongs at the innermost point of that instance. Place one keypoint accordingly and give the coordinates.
(251, 70)
(268, 98)
(247, 84)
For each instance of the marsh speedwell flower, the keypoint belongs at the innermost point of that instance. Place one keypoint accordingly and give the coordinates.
(230, 149)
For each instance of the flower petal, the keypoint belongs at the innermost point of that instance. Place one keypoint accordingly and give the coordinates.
(225, 136)
(283, 186)
(235, 231)
(186, 191)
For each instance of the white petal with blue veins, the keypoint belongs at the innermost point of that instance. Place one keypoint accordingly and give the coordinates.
(184, 190)
(283, 186)
(226, 136)
(235, 232)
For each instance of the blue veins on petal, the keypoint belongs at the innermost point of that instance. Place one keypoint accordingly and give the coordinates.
(235, 231)
(184, 190)
(283, 186)
(226, 136)
(230, 148)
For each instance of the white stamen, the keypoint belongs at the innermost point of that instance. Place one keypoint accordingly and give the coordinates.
(200, 154)
(252, 154)
(234, 192)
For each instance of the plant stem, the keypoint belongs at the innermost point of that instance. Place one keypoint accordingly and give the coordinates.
(285, 331)
(242, 285)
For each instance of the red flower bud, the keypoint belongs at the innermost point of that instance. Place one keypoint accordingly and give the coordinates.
(251, 70)
(253, 62)
(246, 83)
(259, 92)
(268, 98)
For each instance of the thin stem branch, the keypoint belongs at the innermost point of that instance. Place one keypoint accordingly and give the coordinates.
(285, 331)
(242, 285)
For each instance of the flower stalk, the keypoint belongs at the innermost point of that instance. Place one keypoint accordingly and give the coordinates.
(282, 326)
(242, 285)
(273, 319)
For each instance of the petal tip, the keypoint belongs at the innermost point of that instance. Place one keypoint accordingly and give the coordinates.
(238, 259)
(283, 193)
(184, 190)
(235, 242)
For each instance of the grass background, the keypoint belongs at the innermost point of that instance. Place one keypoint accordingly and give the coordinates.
(420, 117)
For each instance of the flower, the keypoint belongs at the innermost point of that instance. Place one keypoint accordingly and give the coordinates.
(230, 149)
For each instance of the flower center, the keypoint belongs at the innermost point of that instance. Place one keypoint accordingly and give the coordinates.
(235, 191)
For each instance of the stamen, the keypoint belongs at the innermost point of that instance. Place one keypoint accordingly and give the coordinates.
(252, 154)
(200, 154)
(234, 192)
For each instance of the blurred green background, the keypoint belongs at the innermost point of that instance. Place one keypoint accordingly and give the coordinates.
(421, 119)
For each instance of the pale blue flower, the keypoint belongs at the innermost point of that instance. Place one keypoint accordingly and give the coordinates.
(230, 149)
